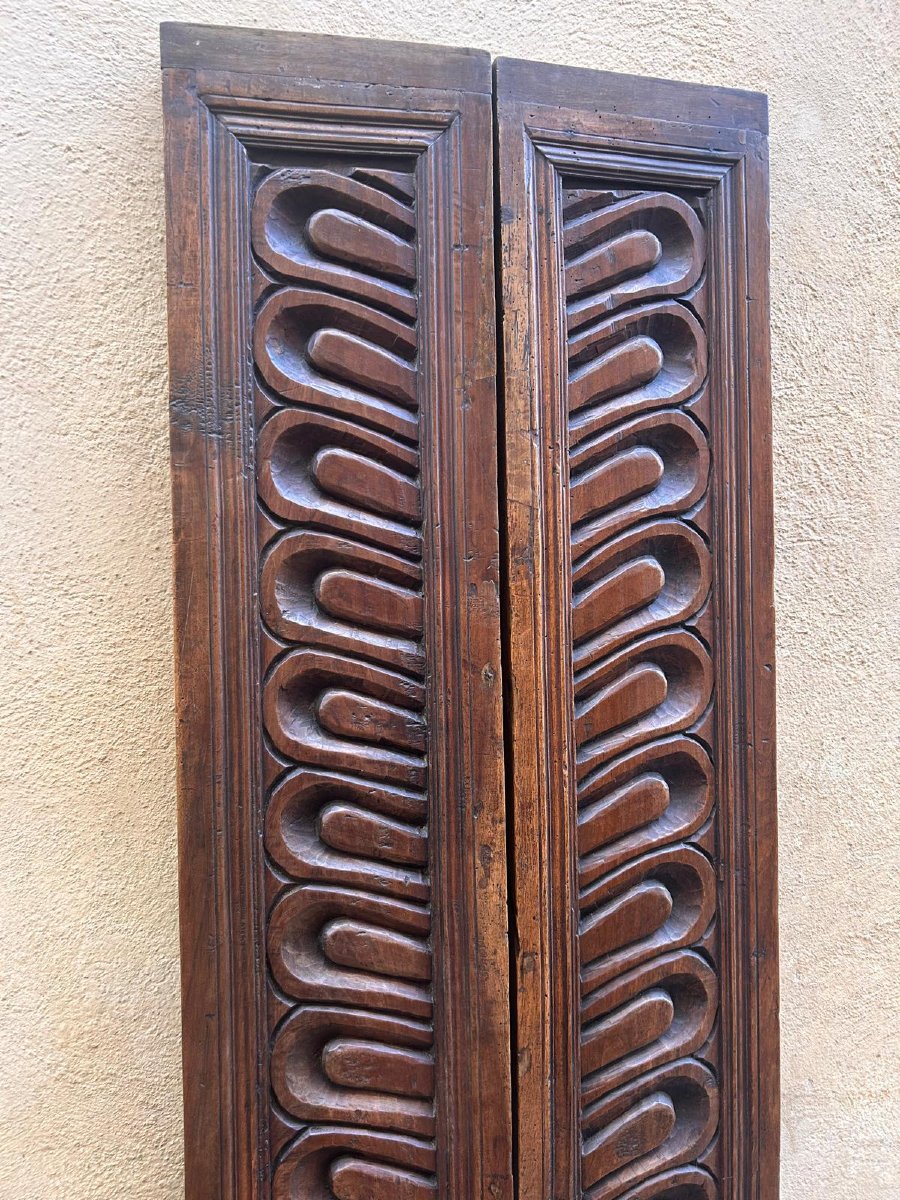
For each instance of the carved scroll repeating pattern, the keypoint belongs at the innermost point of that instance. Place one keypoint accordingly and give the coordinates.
(641, 572)
(340, 584)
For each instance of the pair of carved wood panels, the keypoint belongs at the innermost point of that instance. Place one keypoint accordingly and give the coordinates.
(476, 750)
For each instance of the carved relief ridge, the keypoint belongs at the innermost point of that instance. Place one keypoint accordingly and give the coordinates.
(341, 597)
(642, 679)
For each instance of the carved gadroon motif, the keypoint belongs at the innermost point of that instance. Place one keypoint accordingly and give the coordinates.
(639, 464)
(341, 597)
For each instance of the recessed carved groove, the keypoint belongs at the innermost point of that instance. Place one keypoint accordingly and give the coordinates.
(648, 1016)
(661, 1120)
(644, 799)
(356, 1164)
(310, 224)
(332, 710)
(652, 466)
(349, 944)
(650, 244)
(302, 927)
(641, 581)
(311, 1039)
(638, 464)
(398, 184)
(668, 898)
(293, 485)
(645, 358)
(659, 685)
(338, 594)
(323, 825)
(683, 1183)
(303, 341)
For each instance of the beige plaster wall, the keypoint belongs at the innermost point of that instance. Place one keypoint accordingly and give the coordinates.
(89, 1025)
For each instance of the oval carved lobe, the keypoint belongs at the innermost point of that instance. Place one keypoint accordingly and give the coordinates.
(638, 913)
(627, 366)
(605, 265)
(637, 803)
(360, 598)
(371, 835)
(372, 948)
(643, 890)
(645, 1018)
(353, 1179)
(363, 481)
(629, 588)
(637, 691)
(373, 1066)
(344, 595)
(350, 715)
(342, 235)
(291, 440)
(286, 324)
(641, 1130)
(636, 1024)
(661, 1119)
(615, 481)
(354, 358)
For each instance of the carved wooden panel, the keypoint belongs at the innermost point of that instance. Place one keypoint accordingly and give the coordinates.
(344, 838)
(640, 636)
(642, 683)
(342, 600)
(334, 448)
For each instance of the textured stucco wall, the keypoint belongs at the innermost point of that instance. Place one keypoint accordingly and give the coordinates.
(89, 1024)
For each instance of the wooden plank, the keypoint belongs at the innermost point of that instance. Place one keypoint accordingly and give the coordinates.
(342, 830)
(608, 92)
(313, 56)
(639, 648)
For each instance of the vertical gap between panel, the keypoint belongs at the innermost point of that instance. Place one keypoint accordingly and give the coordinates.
(505, 658)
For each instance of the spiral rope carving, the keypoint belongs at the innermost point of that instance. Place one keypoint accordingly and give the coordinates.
(642, 677)
(340, 582)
